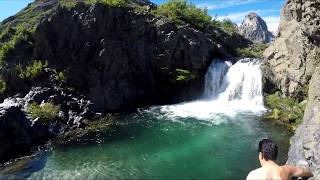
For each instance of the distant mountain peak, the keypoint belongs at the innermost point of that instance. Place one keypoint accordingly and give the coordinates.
(255, 29)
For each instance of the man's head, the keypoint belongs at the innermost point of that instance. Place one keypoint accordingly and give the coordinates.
(268, 150)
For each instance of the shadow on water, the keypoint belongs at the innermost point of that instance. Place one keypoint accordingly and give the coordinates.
(129, 127)
(22, 168)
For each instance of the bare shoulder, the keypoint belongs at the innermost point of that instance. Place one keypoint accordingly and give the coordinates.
(254, 174)
(296, 171)
(288, 168)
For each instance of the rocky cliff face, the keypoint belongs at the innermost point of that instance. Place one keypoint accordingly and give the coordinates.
(255, 29)
(292, 66)
(295, 53)
(305, 147)
(117, 58)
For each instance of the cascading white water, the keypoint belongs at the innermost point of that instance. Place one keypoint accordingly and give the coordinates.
(215, 77)
(242, 82)
(229, 89)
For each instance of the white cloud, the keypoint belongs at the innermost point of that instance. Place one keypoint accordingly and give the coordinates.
(235, 17)
(272, 21)
(224, 4)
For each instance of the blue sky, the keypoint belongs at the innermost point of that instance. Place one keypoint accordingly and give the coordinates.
(269, 10)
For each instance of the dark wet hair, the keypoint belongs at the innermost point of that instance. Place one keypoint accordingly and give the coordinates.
(268, 149)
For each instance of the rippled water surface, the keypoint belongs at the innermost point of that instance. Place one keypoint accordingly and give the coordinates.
(156, 146)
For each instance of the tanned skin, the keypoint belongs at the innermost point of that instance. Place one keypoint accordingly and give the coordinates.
(270, 170)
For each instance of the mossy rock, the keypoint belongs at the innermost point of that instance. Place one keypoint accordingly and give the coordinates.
(92, 129)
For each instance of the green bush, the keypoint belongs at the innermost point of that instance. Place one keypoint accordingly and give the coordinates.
(3, 86)
(20, 35)
(247, 52)
(254, 51)
(285, 109)
(181, 11)
(45, 111)
(32, 71)
(59, 76)
(20, 28)
(5, 49)
(141, 9)
(114, 3)
(68, 3)
(228, 26)
(184, 75)
(6, 33)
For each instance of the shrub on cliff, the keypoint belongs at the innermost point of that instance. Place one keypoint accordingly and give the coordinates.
(20, 34)
(181, 11)
(184, 75)
(45, 111)
(4, 51)
(32, 71)
(59, 76)
(254, 51)
(114, 3)
(3, 86)
(228, 26)
(285, 109)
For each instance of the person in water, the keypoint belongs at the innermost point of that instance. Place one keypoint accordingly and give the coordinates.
(270, 170)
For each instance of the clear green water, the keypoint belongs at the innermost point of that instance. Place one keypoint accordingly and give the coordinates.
(152, 145)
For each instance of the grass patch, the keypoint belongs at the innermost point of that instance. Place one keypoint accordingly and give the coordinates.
(59, 76)
(114, 3)
(45, 111)
(141, 9)
(184, 75)
(180, 11)
(226, 25)
(32, 71)
(254, 51)
(67, 4)
(3, 86)
(20, 28)
(20, 34)
(285, 109)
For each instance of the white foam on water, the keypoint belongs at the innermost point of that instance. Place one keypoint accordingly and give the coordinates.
(229, 89)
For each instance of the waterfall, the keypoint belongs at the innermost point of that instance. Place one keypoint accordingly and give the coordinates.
(214, 78)
(239, 82)
(229, 89)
